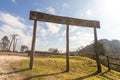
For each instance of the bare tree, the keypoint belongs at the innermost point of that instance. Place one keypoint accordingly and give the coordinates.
(5, 43)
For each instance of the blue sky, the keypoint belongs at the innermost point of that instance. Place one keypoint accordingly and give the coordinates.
(14, 18)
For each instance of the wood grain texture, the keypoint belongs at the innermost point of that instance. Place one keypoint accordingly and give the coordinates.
(39, 16)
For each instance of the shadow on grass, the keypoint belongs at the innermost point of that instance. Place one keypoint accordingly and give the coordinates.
(94, 74)
(87, 76)
(16, 71)
(43, 75)
(38, 76)
(103, 74)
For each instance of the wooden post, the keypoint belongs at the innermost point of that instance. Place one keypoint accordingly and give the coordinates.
(96, 51)
(67, 48)
(33, 45)
(108, 63)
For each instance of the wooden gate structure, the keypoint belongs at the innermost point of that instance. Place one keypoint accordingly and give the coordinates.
(39, 16)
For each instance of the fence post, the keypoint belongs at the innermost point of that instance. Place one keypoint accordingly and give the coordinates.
(108, 63)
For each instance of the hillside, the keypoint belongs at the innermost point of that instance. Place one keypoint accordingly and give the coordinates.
(112, 47)
(81, 68)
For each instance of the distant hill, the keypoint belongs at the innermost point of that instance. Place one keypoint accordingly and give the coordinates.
(112, 47)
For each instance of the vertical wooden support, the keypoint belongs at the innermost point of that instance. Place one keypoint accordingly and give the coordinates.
(33, 45)
(108, 63)
(96, 51)
(67, 48)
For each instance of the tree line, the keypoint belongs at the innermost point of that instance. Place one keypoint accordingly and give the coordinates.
(90, 49)
(5, 45)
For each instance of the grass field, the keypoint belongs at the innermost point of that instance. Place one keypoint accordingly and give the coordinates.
(81, 68)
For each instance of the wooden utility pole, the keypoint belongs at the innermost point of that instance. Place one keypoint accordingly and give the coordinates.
(33, 45)
(15, 44)
(96, 51)
(0, 46)
(67, 48)
(13, 41)
(10, 43)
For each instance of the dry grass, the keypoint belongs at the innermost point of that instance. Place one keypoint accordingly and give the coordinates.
(81, 68)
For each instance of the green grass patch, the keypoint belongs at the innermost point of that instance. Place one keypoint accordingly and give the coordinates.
(53, 68)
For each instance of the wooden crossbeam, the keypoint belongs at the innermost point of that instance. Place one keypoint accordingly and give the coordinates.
(114, 58)
(39, 16)
(115, 64)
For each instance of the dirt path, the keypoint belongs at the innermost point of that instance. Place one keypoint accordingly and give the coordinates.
(5, 71)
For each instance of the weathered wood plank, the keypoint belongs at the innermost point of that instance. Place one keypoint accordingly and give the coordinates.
(39, 16)
(96, 50)
(114, 64)
(67, 49)
(113, 58)
(33, 45)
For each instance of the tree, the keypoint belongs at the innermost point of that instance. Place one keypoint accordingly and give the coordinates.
(24, 48)
(101, 49)
(5, 43)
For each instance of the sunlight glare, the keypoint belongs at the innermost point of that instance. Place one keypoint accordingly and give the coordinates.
(111, 8)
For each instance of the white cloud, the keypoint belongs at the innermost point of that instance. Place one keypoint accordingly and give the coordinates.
(73, 28)
(50, 10)
(89, 12)
(13, 1)
(108, 14)
(9, 30)
(60, 39)
(63, 33)
(38, 9)
(53, 28)
(11, 20)
(65, 5)
(74, 38)
(42, 31)
(82, 38)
